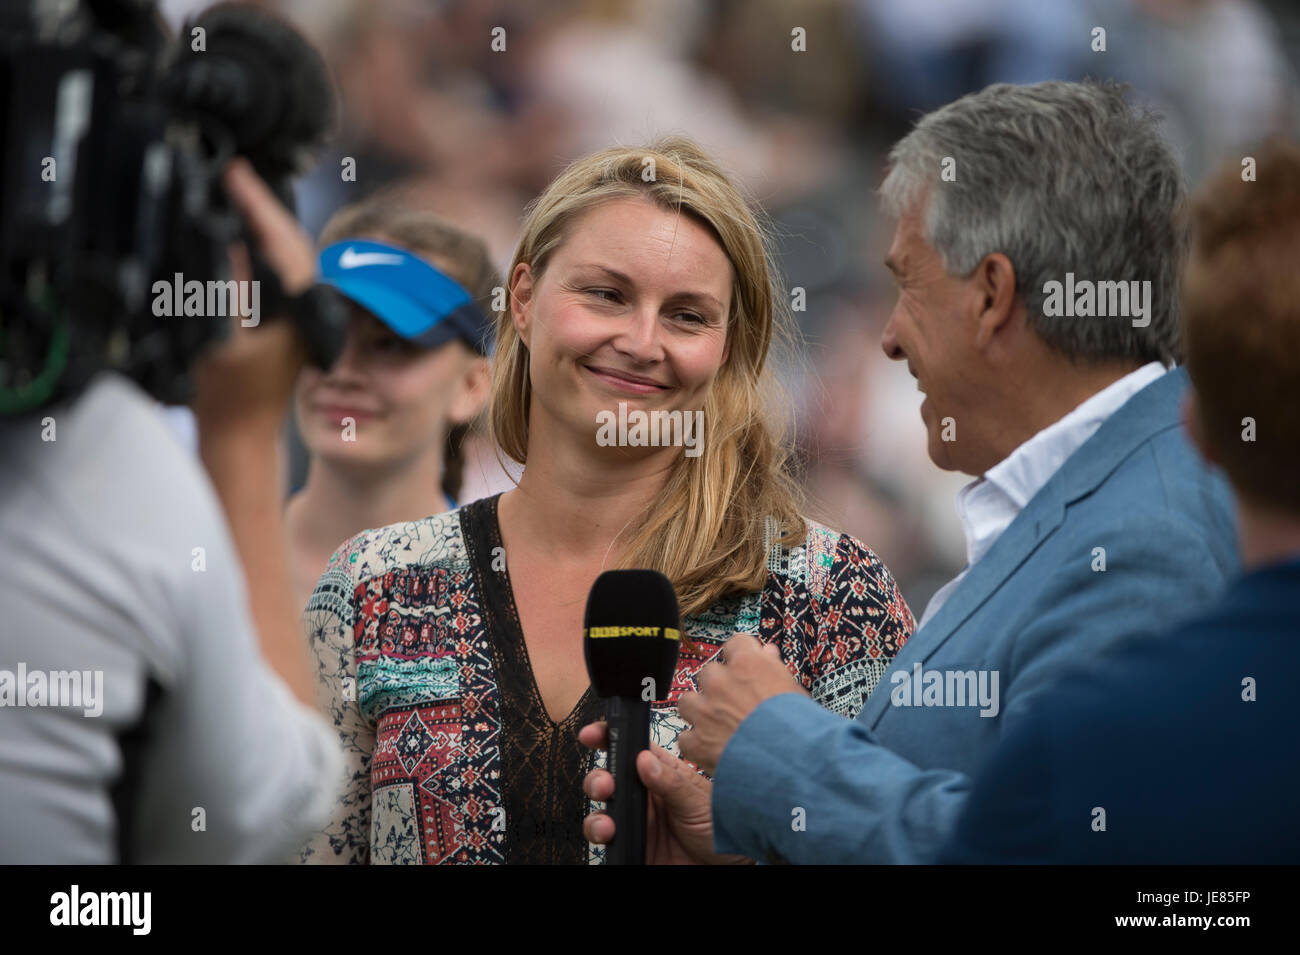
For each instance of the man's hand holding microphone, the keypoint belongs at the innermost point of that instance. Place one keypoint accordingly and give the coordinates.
(679, 818)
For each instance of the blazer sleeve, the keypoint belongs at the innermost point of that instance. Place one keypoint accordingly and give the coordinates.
(801, 784)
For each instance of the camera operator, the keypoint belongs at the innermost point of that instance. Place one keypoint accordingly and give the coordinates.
(158, 705)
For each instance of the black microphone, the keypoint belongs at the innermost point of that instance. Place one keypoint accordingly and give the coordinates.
(631, 632)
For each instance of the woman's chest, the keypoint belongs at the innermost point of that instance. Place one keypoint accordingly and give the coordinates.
(550, 608)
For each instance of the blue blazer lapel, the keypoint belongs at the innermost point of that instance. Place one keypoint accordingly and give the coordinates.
(1153, 409)
(1031, 527)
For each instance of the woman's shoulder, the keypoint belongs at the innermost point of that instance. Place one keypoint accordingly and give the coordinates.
(823, 554)
(434, 541)
(430, 542)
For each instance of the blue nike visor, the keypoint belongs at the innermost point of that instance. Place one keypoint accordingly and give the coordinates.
(417, 301)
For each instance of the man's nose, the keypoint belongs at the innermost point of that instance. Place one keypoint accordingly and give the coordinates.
(889, 342)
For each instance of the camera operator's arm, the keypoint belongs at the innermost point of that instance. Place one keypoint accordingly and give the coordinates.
(242, 395)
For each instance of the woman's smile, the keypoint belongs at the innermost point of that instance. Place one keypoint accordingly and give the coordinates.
(625, 382)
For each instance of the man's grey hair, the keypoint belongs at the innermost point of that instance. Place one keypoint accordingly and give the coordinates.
(1059, 177)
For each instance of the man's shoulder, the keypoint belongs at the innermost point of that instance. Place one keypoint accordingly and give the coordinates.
(112, 423)
(1154, 485)
(141, 545)
(107, 471)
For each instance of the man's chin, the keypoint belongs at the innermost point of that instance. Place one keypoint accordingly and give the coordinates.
(940, 451)
(943, 457)
(941, 460)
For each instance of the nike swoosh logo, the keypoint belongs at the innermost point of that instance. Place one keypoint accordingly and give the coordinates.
(351, 258)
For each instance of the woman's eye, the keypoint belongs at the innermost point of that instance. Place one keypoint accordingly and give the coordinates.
(690, 317)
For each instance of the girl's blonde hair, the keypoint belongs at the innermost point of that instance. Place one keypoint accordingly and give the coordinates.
(709, 531)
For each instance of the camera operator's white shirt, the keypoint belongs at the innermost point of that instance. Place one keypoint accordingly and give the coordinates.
(101, 572)
(180, 420)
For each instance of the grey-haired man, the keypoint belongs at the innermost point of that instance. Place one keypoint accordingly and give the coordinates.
(1089, 519)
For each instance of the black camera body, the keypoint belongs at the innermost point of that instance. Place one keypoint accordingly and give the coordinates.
(113, 142)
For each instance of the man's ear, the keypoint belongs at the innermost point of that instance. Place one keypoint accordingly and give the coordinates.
(1193, 428)
(995, 284)
(476, 386)
(521, 298)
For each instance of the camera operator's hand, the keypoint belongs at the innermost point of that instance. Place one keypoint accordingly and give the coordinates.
(280, 240)
(243, 389)
(247, 381)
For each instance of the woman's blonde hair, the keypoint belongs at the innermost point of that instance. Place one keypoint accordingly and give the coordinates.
(709, 531)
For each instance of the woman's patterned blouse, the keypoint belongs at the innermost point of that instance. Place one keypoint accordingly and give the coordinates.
(451, 757)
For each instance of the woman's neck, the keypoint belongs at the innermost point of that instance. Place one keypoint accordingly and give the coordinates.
(338, 501)
(579, 504)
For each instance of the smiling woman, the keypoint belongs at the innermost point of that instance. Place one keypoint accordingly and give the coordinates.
(450, 649)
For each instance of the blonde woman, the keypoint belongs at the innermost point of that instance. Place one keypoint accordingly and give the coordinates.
(450, 649)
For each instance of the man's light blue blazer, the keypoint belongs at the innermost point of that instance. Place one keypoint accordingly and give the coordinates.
(799, 783)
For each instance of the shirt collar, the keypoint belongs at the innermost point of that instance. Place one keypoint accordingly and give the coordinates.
(989, 504)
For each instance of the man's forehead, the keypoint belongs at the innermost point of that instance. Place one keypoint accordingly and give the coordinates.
(908, 239)
(898, 247)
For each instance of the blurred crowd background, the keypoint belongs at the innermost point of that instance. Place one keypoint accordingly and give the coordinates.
(429, 107)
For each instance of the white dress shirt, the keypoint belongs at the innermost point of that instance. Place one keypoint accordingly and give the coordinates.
(989, 504)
